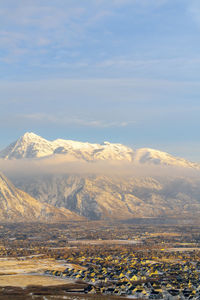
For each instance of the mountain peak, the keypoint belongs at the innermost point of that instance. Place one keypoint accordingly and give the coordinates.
(30, 145)
(30, 136)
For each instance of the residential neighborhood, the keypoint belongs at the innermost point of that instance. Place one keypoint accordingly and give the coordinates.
(111, 259)
(143, 274)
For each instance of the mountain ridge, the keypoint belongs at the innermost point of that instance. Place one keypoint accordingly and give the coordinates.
(106, 197)
(17, 206)
(32, 146)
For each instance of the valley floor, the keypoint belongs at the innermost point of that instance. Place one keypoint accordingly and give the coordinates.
(99, 260)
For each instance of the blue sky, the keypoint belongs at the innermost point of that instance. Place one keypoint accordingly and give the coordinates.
(92, 70)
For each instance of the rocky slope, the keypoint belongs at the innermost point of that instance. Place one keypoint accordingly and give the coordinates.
(100, 197)
(16, 206)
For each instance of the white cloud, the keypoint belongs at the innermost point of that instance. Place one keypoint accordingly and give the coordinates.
(64, 119)
(65, 164)
(33, 25)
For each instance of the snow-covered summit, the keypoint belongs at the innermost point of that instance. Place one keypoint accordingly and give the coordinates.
(29, 145)
(33, 146)
(30, 136)
(148, 155)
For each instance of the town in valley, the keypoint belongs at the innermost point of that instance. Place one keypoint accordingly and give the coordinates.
(100, 259)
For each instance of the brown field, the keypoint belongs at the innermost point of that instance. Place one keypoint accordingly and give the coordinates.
(104, 242)
(19, 266)
(182, 249)
(164, 234)
(25, 280)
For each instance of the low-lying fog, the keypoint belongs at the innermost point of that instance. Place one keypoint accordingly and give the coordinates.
(59, 165)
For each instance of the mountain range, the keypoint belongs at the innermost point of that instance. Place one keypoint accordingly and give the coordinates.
(104, 196)
(32, 146)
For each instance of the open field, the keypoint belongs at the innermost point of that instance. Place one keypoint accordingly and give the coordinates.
(24, 272)
(104, 242)
(25, 280)
(183, 249)
(12, 266)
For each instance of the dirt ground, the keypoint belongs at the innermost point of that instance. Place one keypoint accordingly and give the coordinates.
(16, 266)
(25, 280)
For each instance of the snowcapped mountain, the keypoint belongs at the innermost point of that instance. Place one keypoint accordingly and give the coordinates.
(33, 146)
(29, 145)
(95, 195)
(156, 157)
(16, 206)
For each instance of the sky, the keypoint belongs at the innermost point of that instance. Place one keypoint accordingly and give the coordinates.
(125, 71)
